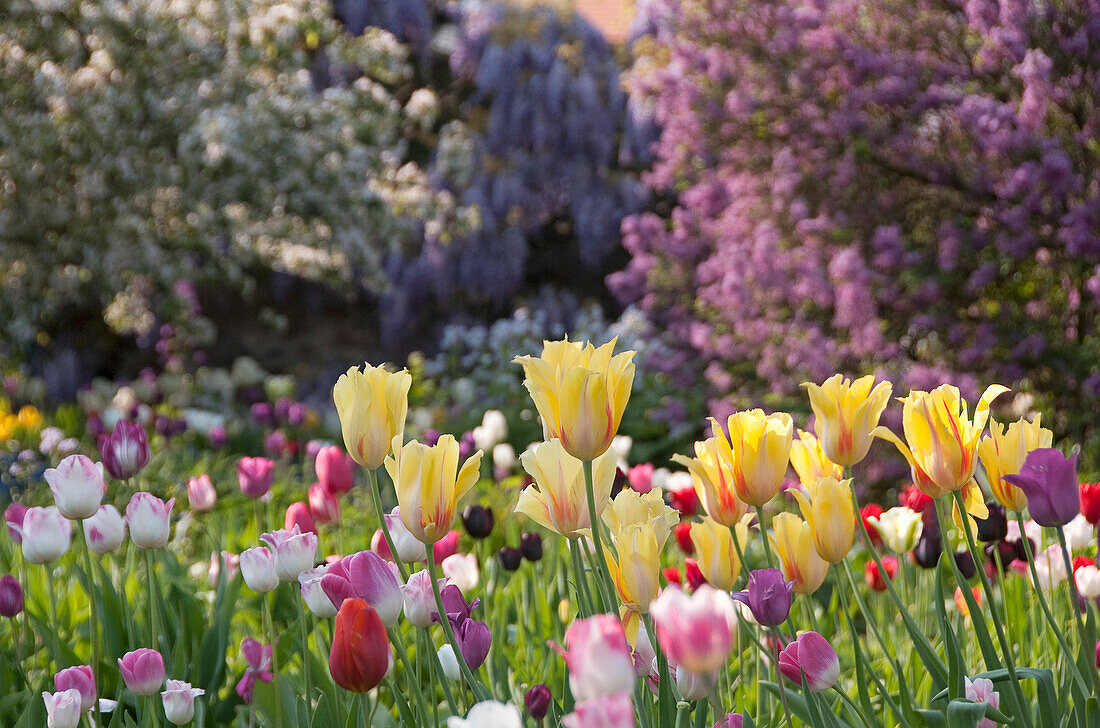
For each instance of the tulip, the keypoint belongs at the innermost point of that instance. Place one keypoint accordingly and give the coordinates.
(11, 596)
(580, 392)
(148, 518)
(1049, 480)
(313, 593)
(255, 475)
(926, 553)
(530, 545)
(201, 494)
(712, 480)
(429, 483)
(695, 632)
(942, 439)
(635, 567)
(640, 477)
(598, 658)
(1078, 533)
(874, 577)
(474, 640)
(294, 552)
(900, 528)
(798, 557)
(1002, 453)
(259, 659)
(478, 520)
(62, 709)
(125, 451)
(1090, 502)
(811, 656)
(298, 516)
(46, 534)
(846, 414)
(809, 461)
(716, 555)
(179, 701)
(365, 575)
(82, 680)
(104, 531)
(504, 460)
(489, 714)
(461, 570)
(444, 547)
(372, 405)
(682, 494)
(142, 671)
(980, 690)
(609, 711)
(756, 451)
(232, 565)
(867, 514)
(993, 527)
(418, 599)
(694, 685)
(1088, 581)
(558, 499)
(768, 597)
(829, 512)
(360, 654)
(681, 532)
(323, 505)
(449, 663)
(537, 700)
(258, 569)
(644, 658)
(333, 470)
(13, 519)
(693, 575)
(77, 485)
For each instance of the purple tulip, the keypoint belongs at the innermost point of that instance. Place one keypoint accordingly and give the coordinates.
(81, 679)
(369, 577)
(125, 451)
(218, 437)
(768, 597)
(1049, 480)
(13, 518)
(537, 701)
(811, 655)
(474, 637)
(263, 413)
(259, 662)
(11, 597)
(730, 720)
(255, 475)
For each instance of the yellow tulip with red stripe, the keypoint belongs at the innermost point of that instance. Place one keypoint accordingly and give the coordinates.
(1003, 451)
(757, 449)
(580, 392)
(846, 413)
(798, 556)
(716, 553)
(809, 460)
(557, 500)
(829, 512)
(429, 484)
(713, 479)
(372, 405)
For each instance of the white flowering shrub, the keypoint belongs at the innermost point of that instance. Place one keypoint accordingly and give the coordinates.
(145, 141)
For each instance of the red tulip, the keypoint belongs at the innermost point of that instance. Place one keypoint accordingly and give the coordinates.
(682, 531)
(693, 575)
(1090, 502)
(869, 510)
(360, 655)
(874, 577)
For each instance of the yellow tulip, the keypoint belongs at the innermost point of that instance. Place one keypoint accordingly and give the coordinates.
(634, 561)
(29, 417)
(372, 405)
(713, 479)
(809, 460)
(942, 439)
(831, 517)
(846, 413)
(757, 450)
(558, 500)
(429, 484)
(716, 553)
(797, 554)
(648, 509)
(580, 391)
(1003, 452)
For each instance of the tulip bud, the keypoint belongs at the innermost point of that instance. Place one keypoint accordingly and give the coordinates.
(537, 700)
(418, 599)
(730, 720)
(608, 711)
(360, 654)
(77, 486)
(926, 553)
(82, 680)
(682, 533)
(966, 564)
(372, 405)
(323, 505)
(693, 575)
(810, 655)
(142, 671)
(149, 520)
(510, 557)
(258, 569)
(298, 516)
(201, 493)
(461, 570)
(682, 494)
(867, 515)
(11, 596)
(530, 545)
(105, 530)
(478, 520)
(1090, 502)
(255, 475)
(46, 534)
(179, 701)
(333, 470)
(62, 709)
(125, 451)
(449, 662)
(294, 551)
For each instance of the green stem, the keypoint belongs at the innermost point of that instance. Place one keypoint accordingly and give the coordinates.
(56, 633)
(93, 626)
(764, 536)
(597, 539)
(480, 691)
(376, 496)
(779, 679)
(1074, 600)
(584, 601)
(410, 678)
(683, 710)
(151, 585)
(303, 616)
(743, 568)
(364, 708)
(666, 696)
(269, 629)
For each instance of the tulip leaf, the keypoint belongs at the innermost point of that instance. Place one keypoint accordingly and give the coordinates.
(955, 661)
(797, 703)
(964, 714)
(933, 718)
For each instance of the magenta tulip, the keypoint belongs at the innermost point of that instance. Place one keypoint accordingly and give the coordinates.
(142, 671)
(201, 493)
(334, 470)
(812, 655)
(367, 576)
(255, 476)
(598, 657)
(323, 505)
(125, 451)
(298, 515)
(82, 680)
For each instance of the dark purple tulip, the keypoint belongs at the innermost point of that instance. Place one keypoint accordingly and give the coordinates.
(966, 564)
(94, 426)
(1049, 480)
(474, 640)
(538, 699)
(530, 545)
(11, 597)
(768, 596)
(510, 557)
(995, 527)
(926, 554)
(478, 520)
(125, 451)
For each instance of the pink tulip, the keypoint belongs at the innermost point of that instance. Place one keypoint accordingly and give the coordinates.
(104, 531)
(142, 671)
(259, 662)
(258, 569)
(598, 657)
(695, 632)
(461, 570)
(62, 708)
(730, 720)
(46, 534)
(608, 711)
(418, 599)
(232, 566)
(294, 551)
(125, 451)
(334, 470)
(82, 680)
(444, 547)
(13, 517)
(255, 475)
(149, 519)
(298, 516)
(812, 655)
(323, 505)
(641, 477)
(980, 690)
(201, 493)
(367, 576)
(77, 485)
